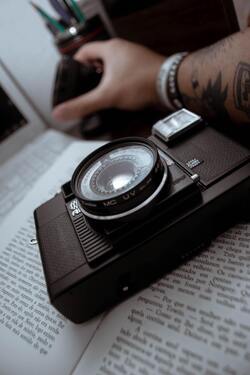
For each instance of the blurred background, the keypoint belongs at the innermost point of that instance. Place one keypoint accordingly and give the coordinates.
(30, 54)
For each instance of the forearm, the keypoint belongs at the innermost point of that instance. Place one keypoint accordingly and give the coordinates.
(215, 81)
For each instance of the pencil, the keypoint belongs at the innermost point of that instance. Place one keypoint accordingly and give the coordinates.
(48, 18)
(77, 10)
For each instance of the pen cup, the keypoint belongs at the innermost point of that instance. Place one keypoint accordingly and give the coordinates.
(70, 40)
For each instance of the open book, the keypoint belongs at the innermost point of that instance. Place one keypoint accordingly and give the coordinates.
(193, 321)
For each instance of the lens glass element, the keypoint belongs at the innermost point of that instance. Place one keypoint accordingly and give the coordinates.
(116, 172)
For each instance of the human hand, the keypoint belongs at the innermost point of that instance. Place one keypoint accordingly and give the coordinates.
(128, 81)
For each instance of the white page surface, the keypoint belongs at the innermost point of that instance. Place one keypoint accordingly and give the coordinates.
(193, 321)
(34, 337)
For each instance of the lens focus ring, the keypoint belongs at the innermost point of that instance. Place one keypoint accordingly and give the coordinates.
(118, 177)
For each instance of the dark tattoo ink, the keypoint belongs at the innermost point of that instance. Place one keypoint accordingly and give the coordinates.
(242, 88)
(209, 100)
(214, 97)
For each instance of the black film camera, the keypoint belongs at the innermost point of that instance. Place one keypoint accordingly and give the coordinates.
(135, 208)
(74, 79)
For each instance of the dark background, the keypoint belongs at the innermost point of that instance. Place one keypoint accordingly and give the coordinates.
(11, 118)
(168, 26)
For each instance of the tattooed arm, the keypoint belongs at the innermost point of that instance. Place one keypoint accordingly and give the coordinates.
(215, 81)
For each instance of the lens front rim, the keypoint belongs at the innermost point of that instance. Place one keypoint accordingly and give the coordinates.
(125, 201)
(133, 211)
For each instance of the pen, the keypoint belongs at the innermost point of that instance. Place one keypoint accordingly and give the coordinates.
(48, 18)
(69, 9)
(77, 10)
(52, 28)
(61, 10)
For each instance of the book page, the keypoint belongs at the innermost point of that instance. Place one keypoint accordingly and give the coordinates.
(195, 320)
(34, 337)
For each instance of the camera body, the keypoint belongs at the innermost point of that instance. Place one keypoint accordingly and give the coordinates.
(73, 79)
(90, 264)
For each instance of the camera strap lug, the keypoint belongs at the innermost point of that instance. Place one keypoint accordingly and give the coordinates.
(195, 177)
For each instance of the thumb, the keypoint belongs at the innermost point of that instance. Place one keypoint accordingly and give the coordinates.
(81, 106)
(91, 51)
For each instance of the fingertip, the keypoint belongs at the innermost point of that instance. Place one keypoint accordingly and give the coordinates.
(81, 106)
(90, 51)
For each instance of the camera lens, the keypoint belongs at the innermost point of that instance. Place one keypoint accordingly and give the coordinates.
(116, 172)
(119, 179)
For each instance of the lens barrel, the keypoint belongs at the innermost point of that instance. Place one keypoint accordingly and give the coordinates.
(119, 179)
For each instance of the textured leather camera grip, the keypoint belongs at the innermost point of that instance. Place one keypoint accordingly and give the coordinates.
(210, 154)
(60, 249)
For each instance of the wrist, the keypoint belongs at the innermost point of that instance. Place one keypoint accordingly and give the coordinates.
(184, 76)
(167, 85)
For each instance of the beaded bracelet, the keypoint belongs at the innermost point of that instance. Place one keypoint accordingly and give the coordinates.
(167, 85)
